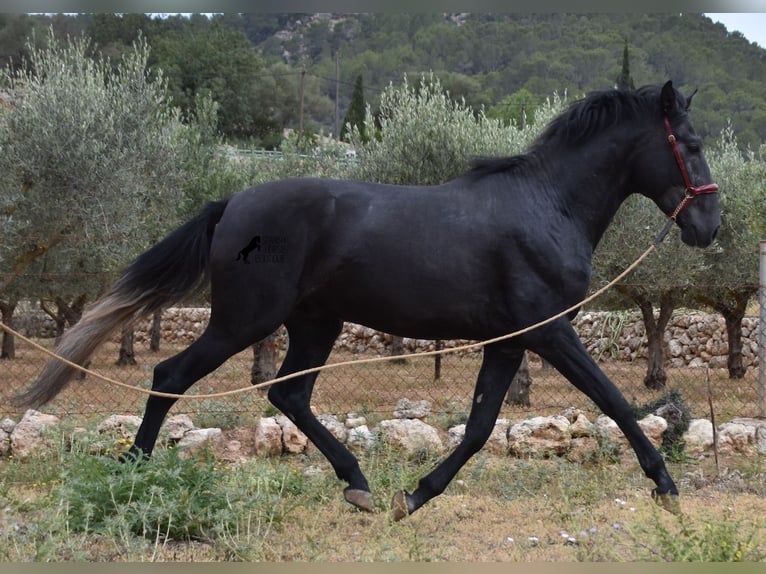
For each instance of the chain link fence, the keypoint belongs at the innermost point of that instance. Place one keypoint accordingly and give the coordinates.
(695, 367)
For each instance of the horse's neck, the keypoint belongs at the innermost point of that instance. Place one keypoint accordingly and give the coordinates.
(592, 186)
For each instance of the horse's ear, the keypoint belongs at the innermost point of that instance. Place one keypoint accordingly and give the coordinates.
(689, 99)
(668, 98)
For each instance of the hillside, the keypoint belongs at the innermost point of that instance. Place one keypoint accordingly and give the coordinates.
(501, 62)
(485, 58)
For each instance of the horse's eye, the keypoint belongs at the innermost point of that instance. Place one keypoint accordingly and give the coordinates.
(694, 147)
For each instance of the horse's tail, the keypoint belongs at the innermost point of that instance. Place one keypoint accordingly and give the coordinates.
(160, 276)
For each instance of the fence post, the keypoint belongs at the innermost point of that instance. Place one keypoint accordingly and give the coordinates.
(762, 333)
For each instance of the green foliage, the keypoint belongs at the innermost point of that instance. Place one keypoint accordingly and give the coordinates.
(88, 158)
(481, 57)
(427, 138)
(625, 80)
(355, 114)
(215, 61)
(516, 109)
(724, 539)
(741, 177)
(167, 498)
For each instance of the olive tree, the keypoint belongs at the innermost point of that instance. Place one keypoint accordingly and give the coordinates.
(89, 169)
(732, 279)
(421, 136)
(658, 286)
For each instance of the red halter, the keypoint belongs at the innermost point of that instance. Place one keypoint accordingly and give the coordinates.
(692, 191)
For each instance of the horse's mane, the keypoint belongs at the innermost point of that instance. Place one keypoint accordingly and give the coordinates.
(581, 121)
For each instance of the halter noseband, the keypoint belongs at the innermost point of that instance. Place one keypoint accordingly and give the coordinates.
(692, 191)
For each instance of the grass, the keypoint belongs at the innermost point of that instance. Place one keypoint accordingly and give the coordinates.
(70, 505)
(76, 503)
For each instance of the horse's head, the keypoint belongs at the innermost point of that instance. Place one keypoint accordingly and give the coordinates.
(674, 173)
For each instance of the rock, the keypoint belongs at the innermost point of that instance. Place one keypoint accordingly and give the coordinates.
(455, 436)
(233, 452)
(411, 435)
(581, 427)
(353, 420)
(28, 434)
(7, 425)
(497, 443)
(122, 426)
(654, 427)
(608, 429)
(332, 424)
(742, 435)
(268, 437)
(698, 438)
(582, 449)
(177, 426)
(360, 438)
(293, 440)
(198, 439)
(571, 414)
(540, 435)
(407, 409)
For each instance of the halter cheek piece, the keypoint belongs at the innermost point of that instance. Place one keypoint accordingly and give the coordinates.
(692, 191)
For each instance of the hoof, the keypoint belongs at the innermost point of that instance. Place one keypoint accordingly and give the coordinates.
(667, 501)
(359, 498)
(400, 505)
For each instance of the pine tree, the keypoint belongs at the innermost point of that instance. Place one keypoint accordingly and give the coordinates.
(625, 81)
(356, 111)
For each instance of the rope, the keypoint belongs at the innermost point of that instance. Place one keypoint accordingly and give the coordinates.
(327, 366)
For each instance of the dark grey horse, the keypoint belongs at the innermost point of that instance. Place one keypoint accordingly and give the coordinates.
(502, 247)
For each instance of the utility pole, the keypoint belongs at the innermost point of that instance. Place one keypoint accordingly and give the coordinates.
(762, 333)
(300, 124)
(337, 92)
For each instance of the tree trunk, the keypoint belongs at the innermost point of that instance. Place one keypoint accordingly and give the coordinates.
(127, 354)
(732, 305)
(438, 360)
(8, 347)
(65, 314)
(156, 332)
(656, 377)
(734, 338)
(397, 348)
(518, 392)
(264, 360)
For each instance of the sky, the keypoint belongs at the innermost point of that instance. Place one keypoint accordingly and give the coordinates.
(752, 25)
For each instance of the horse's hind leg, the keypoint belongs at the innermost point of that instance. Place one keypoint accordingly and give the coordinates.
(499, 365)
(310, 343)
(176, 374)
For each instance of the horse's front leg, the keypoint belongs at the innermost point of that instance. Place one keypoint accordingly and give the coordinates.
(499, 365)
(559, 344)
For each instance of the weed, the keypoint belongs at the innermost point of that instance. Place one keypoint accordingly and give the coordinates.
(165, 498)
(723, 539)
(672, 407)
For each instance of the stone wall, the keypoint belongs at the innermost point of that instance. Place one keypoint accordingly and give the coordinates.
(570, 435)
(692, 340)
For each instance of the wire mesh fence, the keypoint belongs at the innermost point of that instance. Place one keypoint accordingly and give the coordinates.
(374, 389)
